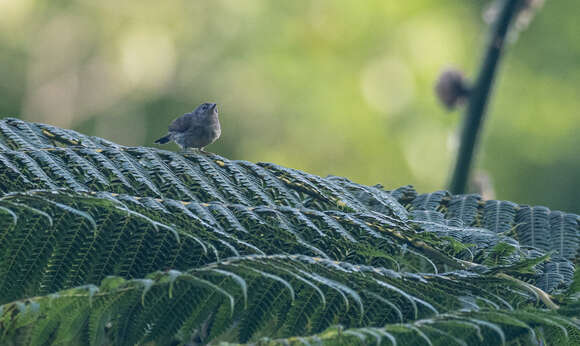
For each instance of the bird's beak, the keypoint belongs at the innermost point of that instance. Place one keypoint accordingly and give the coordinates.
(213, 107)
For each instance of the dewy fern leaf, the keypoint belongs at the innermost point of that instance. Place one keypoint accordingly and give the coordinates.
(104, 244)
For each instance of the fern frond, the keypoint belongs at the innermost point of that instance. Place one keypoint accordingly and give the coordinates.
(564, 235)
(197, 249)
(109, 234)
(533, 227)
(463, 328)
(155, 309)
(464, 207)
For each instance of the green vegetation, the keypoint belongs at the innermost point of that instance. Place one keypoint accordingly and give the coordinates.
(105, 244)
(123, 244)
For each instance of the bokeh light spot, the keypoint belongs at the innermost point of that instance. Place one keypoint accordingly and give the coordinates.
(387, 85)
(147, 57)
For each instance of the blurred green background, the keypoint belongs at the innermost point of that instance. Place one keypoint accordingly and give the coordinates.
(337, 87)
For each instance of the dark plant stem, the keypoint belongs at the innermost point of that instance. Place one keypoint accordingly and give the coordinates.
(479, 95)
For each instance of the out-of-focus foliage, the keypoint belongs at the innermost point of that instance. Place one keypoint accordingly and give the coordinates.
(326, 86)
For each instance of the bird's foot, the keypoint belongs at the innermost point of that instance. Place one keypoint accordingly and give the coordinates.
(193, 151)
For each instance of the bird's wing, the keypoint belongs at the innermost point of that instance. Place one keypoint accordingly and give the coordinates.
(181, 124)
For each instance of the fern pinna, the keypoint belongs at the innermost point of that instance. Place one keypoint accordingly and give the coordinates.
(104, 244)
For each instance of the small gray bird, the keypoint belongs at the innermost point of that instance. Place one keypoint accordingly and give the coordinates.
(196, 129)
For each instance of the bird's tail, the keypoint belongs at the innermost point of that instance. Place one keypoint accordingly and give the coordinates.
(164, 139)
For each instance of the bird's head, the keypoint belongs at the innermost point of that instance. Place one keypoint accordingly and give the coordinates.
(207, 109)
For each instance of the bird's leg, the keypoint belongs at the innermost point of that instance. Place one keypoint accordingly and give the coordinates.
(185, 151)
(203, 151)
(182, 150)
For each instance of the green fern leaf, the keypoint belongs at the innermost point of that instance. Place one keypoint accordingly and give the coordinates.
(104, 244)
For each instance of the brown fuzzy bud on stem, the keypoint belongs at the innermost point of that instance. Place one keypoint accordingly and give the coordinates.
(452, 88)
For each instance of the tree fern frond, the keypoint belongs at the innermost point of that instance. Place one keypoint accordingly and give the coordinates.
(19, 134)
(533, 227)
(429, 216)
(157, 173)
(34, 176)
(12, 171)
(143, 227)
(167, 299)
(556, 273)
(464, 207)
(515, 327)
(429, 201)
(13, 138)
(564, 234)
(404, 194)
(372, 197)
(499, 215)
(194, 249)
(65, 242)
